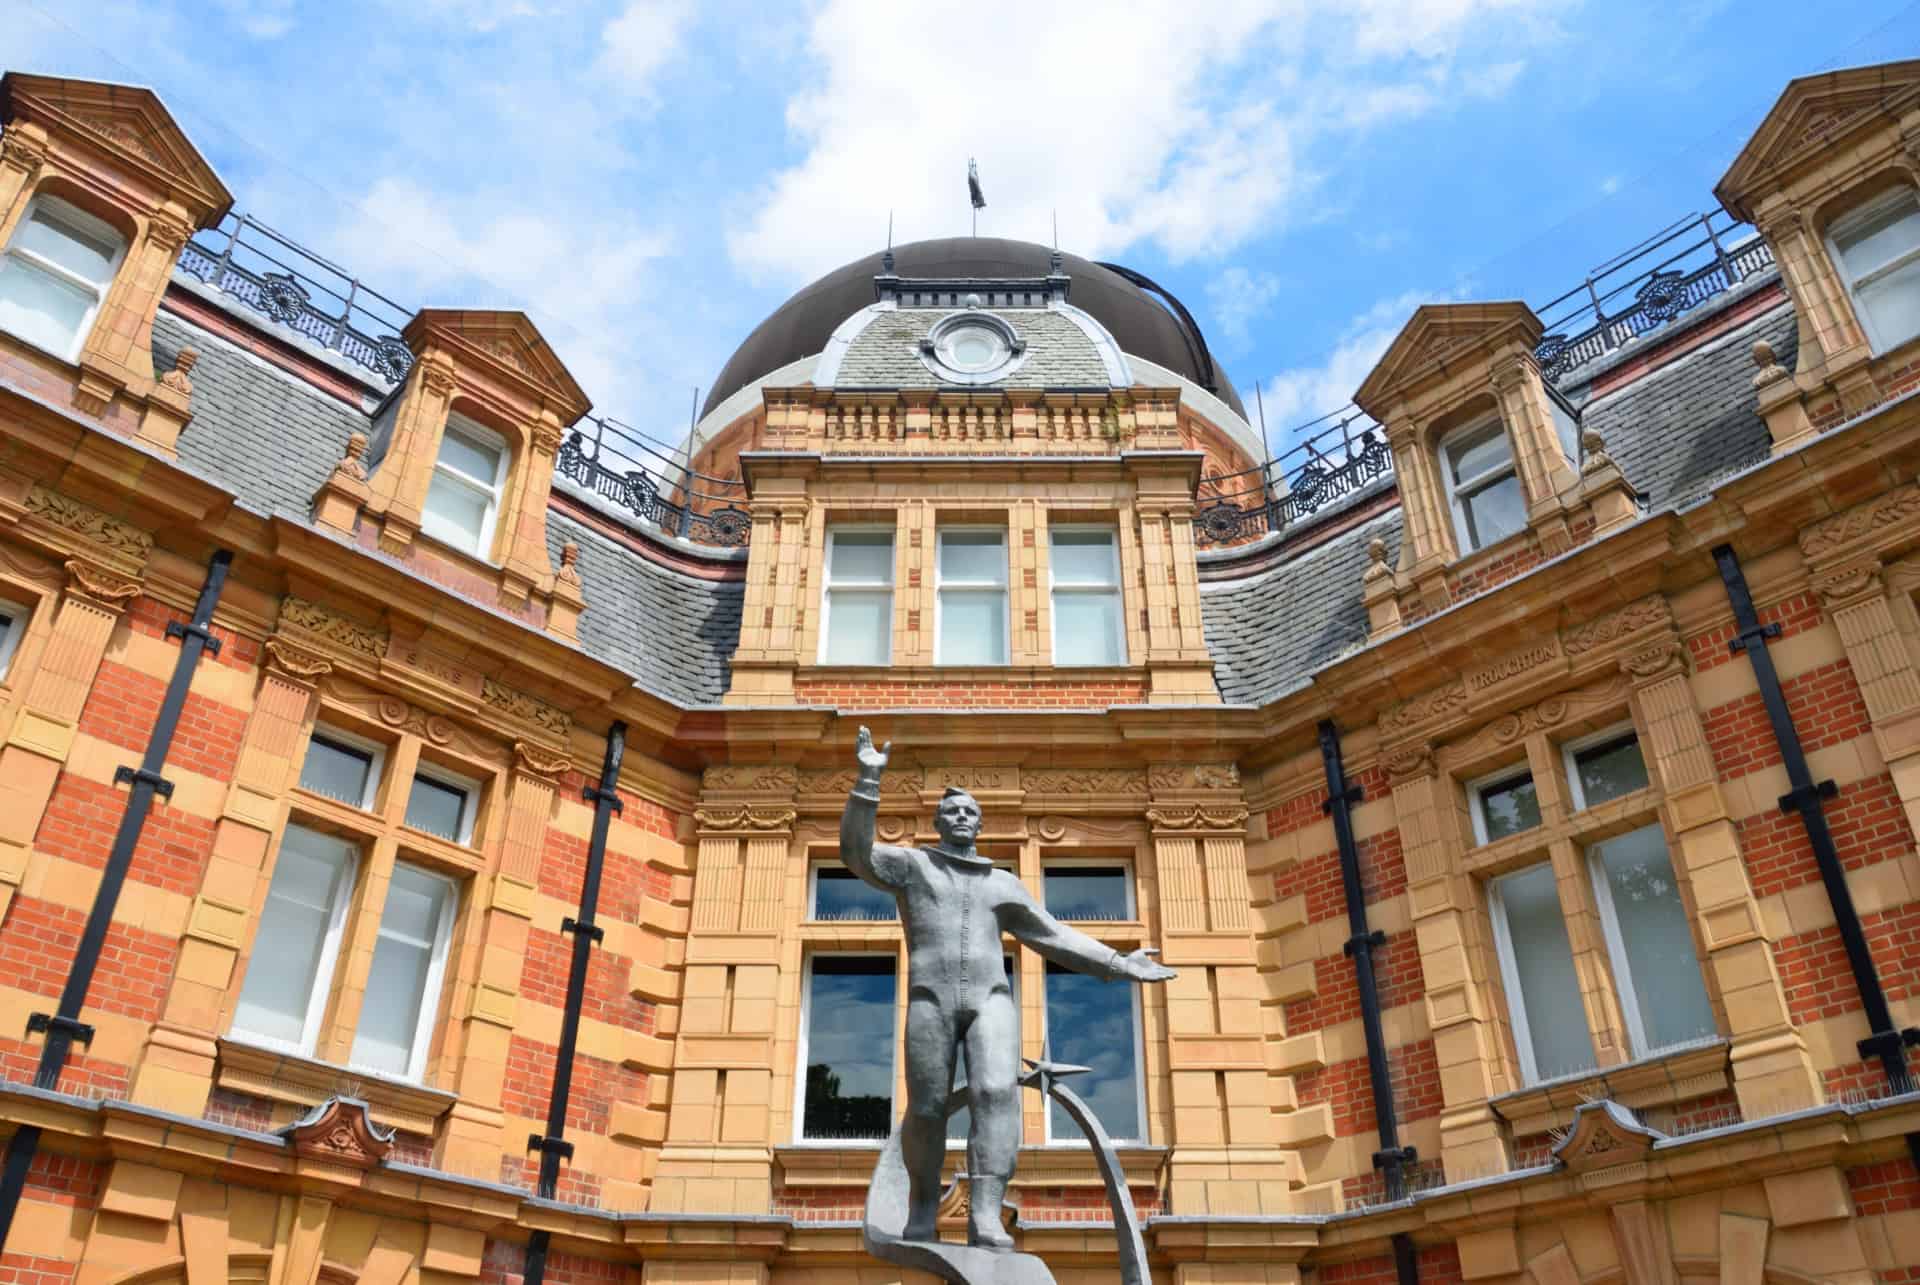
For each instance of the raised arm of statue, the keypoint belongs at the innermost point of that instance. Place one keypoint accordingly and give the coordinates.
(1068, 947)
(879, 864)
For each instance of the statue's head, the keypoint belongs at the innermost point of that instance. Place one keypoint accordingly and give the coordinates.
(957, 819)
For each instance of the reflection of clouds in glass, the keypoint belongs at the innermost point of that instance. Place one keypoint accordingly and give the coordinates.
(843, 895)
(1090, 1023)
(850, 1030)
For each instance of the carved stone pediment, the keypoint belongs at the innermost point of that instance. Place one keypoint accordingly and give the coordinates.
(340, 1131)
(1814, 114)
(1605, 1135)
(1438, 336)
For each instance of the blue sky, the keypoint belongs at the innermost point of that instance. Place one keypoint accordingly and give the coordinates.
(649, 178)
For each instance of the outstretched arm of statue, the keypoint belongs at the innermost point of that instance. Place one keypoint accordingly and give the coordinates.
(1070, 948)
(878, 863)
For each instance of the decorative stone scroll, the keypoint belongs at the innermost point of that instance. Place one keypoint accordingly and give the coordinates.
(358, 640)
(538, 761)
(1425, 708)
(90, 524)
(340, 1131)
(518, 705)
(743, 817)
(106, 588)
(903, 780)
(1194, 816)
(1641, 613)
(291, 658)
(1897, 508)
(1605, 1135)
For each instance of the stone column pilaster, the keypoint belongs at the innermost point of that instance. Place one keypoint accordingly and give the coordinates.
(1772, 1068)
(1538, 456)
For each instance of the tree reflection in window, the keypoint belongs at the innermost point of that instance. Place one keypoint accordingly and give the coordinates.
(1088, 893)
(841, 895)
(1092, 1023)
(849, 1052)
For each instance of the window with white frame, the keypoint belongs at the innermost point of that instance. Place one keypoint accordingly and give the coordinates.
(56, 274)
(442, 804)
(298, 941)
(972, 597)
(1502, 804)
(1482, 486)
(1536, 964)
(463, 500)
(13, 625)
(1877, 249)
(1088, 890)
(342, 767)
(847, 1040)
(1088, 626)
(1094, 1024)
(1604, 767)
(402, 997)
(840, 895)
(960, 1123)
(856, 618)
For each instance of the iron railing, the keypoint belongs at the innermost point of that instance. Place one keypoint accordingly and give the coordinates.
(1631, 295)
(249, 261)
(625, 467)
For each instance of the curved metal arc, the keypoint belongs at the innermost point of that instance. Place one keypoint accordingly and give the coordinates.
(1126, 1226)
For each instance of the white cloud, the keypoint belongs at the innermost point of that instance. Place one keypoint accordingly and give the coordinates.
(1295, 396)
(1183, 125)
(640, 41)
(1236, 298)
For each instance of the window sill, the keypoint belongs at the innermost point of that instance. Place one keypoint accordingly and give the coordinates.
(263, 1072)
(1678, 1076)
(1016, 673)
(842, 1164)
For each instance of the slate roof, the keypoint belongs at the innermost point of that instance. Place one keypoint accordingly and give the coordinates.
(886, 354)
(271, 440)
(1673, 432)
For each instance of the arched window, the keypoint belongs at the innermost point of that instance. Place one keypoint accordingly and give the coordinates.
(1877, 248)
(463, 500)
(1482, 487)
(55, 275)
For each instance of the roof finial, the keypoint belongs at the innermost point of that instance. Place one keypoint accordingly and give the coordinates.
(886, 259)
(1055, 263)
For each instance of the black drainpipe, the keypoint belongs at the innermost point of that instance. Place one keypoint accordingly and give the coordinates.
(63, 1026)
(552, 1145)
(1391, 1159)
(1808, 798)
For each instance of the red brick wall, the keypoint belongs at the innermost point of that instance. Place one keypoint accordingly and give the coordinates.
(505, 1262)
(241, 1110)
(1868, 822)
(82, 817)
(1438, 1265)
(1813, 965)
(1884, 1188)
(31, 1269)
(1794, 615)
(64, 1180)
(1383, 874)
(1826, 707)
(597, 1084)
(124, 705)
(548, 963)
(150, 617)
(1413, 1078)
(1336, 996)
(37, 945)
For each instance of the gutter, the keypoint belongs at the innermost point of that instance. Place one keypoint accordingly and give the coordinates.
(63, 1026)
(1392, 1159)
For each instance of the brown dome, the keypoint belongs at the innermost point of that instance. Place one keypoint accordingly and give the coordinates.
(1121, 300)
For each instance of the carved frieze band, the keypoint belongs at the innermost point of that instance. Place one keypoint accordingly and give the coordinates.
(753, 778)
(342, 634)
(1195, 816)
(531, 710)
(1888, 518)
(117, 539)
(743, 817)
(1194, 776)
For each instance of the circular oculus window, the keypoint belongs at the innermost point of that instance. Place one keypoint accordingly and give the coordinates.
(972, 348)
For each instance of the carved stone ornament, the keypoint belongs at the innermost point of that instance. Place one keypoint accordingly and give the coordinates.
(1898, 507)
(1604, 1135)
(1641, 613)
(569, 572)
(517, 704)
(1842, 585)
(1425, 707)
(1192, 816)
(538, 761)
(1658, 658)
(1194, 776)
(1086, 780)
(106, 587)
(1376, 560)
(1409, 762)
(905, 780)
(1509, 728)
(395, 712)
(22, 151)
(340, 1131)
(350, 465)
(89, 523)
(759, 778)
(324, 622)
(547, 437)
(893, 829)
(1594, 447)
(1767, 367)
(742, 816)
(178, 378)
(291, 658)
(437, 373)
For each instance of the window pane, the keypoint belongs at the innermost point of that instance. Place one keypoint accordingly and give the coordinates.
(38, 308)
(455, 513)
(864, 557)
(859, 627)
(960, 1123)
(402, 959)
(1475, 453)
(979, 556)
(309, 878)
(1509, 806)
(58, 241)
(841, 894)
(1566, 429)
(1611, 769)
(973, 628)
(337, 771)
(1084, 557)
(1668, 990)
(1889, 234)
(1086, 892)
(1495, 512)
(1543, 961)
(436, 808)
(850, 1039)
(1090, 1023)
(1086, 629)
(478, 458)
(1893, 303)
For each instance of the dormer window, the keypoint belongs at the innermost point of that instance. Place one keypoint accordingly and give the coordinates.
(55, 276)
(1877, 248)
(463, 500)
(1488, 504)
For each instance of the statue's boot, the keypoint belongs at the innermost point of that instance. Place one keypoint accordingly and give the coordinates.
(984, 1228)
(923, 1220)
